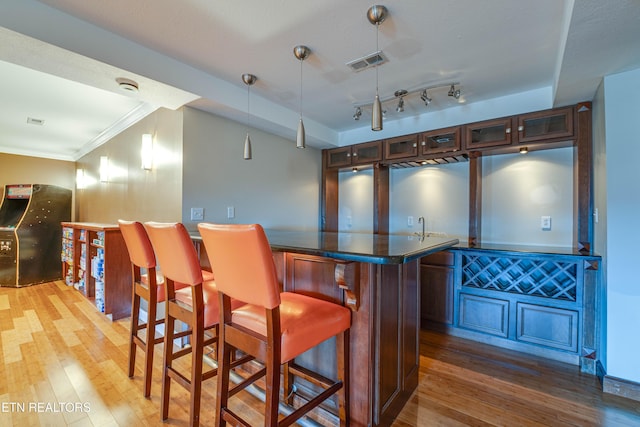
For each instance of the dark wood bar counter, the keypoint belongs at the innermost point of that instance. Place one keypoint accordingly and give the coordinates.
(377, 276)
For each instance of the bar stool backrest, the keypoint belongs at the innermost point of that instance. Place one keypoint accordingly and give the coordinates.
(138, 244)
(175, 251)
(242, 261)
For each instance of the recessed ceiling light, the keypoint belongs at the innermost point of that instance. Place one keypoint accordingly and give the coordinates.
(127, 84)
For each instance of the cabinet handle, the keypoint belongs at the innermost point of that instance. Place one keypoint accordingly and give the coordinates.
(423, 143)
(415, 145)
(355, 154)
(348, 154)
(520, 128)
(508, 130)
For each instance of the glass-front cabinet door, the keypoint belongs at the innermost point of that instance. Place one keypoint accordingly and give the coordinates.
(401, 147)
(366, 153)
(489, 133)
(544, 125)
(339, 157)
(440, 141)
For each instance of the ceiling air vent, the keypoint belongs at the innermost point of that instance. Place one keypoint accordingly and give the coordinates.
(33, 121)
(371, 60)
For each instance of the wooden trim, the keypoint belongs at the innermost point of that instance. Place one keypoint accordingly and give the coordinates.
(621, 387)
(380, 199)
(475, 198)
(329, 191)
(583, 180)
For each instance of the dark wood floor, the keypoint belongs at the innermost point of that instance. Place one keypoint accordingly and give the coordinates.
(65, 364)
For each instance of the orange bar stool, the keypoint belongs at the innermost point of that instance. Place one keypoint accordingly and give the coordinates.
(196, 305)
(274, 327)
(148, 286)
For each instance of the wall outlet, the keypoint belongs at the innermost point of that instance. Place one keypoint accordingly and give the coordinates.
(197, 214)
(409, 221)
(349, 221)
(231, 212)
(545, 222)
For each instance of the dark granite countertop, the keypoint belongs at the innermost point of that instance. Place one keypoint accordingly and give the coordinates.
(360, 247)
(525, 249)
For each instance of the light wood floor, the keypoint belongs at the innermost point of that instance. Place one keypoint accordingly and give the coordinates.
(65, 364)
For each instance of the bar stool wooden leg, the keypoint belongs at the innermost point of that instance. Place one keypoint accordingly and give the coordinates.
(149, 346)
(342, 358)
(135, 316)
(167, 363)
(197, 348)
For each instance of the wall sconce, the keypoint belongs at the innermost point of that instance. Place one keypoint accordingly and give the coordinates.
(81, 182)
(146, 152)
(104, 169)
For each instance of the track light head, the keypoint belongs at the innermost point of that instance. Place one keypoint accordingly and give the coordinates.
(454, 92)
(357, 114)
(425, 98)
(400, 95)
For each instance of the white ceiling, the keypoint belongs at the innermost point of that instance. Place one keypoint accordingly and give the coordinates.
(59, 60)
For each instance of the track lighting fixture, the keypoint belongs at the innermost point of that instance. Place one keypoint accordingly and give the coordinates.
(357, 114)
(454, 92)
(400, 95)
(376, 15)
(301, 52)
(249, 80)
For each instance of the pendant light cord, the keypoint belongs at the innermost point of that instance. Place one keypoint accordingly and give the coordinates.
(301, 89)
(377, 53)
(248, 105)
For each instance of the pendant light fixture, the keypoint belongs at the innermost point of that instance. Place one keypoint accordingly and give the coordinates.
(301, 52)
(249, 80)
(376, 15)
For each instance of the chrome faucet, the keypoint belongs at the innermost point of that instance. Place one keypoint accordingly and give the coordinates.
(422, 235)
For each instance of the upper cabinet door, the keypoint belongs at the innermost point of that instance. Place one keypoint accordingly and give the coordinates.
(339, 157)
(489, 133)
(440, 141)
(546, 125)
(366, 153)
(401, 147)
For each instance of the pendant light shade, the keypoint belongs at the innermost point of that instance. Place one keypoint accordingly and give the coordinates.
(300, 137)
(247, 147)
(249, 80)
(301, 52)
(376, 116)
(376, 15)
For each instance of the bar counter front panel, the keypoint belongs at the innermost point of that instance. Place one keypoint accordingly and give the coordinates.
(377, 276)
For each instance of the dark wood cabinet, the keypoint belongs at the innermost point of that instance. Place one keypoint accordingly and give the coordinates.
(355, 155)
(366, 153)
(490, 133)
(437, 288)
(440, 141)
(401, 147)
(339, 157)
(546, 125)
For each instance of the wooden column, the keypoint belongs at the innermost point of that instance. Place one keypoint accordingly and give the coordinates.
(475, 198)
(582, 180)
(380, 199)
(329, 197)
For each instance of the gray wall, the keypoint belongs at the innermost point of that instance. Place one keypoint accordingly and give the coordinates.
(622, 183)
(279, 187)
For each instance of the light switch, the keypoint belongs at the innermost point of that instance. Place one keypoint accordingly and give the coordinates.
(545, 222)
(197, 214)
(231, 212)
